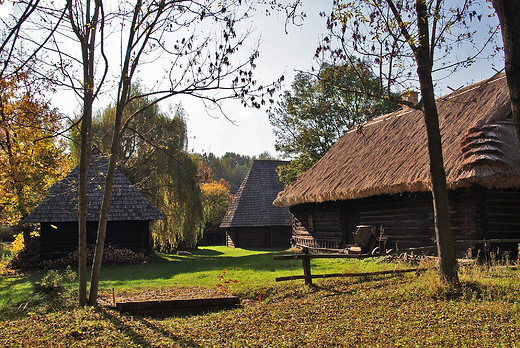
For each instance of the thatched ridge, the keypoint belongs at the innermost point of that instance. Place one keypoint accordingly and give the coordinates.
(389, 155)
(126, 202)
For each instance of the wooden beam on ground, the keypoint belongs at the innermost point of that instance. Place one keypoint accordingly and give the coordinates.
(363, 274)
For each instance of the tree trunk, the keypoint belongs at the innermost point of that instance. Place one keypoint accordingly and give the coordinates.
(509, 15)
(103, 219)
(446, 250)
(87, 39)
(122, 98)
(84, 163)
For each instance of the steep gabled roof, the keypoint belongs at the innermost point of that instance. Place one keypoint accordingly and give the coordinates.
(126, 202)
(389, 154)
(253, 203)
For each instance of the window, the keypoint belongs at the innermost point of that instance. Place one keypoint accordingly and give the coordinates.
(310, 222)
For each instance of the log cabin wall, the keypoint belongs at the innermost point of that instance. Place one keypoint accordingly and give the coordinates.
(59, 239)
(258, 237)
(318, 225)
(407, 219)
(503, 217)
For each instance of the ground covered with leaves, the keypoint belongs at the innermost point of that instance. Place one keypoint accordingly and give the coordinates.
(408, 311)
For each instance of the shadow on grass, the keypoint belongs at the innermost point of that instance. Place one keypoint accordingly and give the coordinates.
(206, 260)
(132, 327)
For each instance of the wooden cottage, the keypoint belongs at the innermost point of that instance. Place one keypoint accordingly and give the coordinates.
(128, 219)
(252, 220)
(378, 175)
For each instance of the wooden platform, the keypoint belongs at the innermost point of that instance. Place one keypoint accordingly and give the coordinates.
(178, 307)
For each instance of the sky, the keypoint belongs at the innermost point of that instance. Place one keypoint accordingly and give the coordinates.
(281, 53)
(249, 132)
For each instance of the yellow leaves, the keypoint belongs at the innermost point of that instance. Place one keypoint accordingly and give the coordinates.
(30, 158)
(17, 245)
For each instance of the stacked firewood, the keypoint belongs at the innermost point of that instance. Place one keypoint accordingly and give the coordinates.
(28, 259)
(112, 255)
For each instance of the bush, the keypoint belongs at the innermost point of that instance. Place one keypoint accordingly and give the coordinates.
(6, 234)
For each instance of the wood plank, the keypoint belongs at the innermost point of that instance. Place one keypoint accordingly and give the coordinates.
(184, 306)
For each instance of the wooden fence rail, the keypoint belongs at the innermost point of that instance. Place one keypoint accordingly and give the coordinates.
(306, 257)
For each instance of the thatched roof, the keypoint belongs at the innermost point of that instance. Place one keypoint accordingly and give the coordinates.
(389, 155)
(253, 203)
(126, 202)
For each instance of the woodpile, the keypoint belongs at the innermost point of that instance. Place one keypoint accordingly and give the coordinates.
(28, 259)
(112, 255)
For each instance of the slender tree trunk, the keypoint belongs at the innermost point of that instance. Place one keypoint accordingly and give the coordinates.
(84, 162)
(105, 208)
(87, 38)
(446, 250)
(509, 15)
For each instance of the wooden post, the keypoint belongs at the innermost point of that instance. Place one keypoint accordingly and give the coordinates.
(306, 267)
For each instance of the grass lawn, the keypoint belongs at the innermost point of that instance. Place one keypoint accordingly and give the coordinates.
(385, 311)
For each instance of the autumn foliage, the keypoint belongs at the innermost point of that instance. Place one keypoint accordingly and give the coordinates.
(31, 159)
(215, 200)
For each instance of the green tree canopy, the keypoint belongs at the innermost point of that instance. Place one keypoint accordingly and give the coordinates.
(320, 108)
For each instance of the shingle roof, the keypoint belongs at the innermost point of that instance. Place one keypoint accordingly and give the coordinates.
(126, 202)
(390, 154)
(253, 204)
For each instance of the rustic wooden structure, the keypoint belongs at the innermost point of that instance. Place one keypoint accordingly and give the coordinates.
(252, 220)
(128, 219)
(378, 174)
(178, 306)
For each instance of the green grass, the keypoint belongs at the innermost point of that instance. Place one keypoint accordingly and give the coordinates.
(385, 311)
(254, 269)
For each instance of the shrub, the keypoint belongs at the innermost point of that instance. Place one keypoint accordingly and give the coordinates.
(6, 234)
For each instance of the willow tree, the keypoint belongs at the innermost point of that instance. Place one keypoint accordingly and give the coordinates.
(153, 156)
(408, 41)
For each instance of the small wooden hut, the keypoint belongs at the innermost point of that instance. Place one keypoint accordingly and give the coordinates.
(252, 220)
(128, 219)
(378, 175)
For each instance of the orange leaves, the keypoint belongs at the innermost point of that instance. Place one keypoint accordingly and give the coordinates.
(223, 285)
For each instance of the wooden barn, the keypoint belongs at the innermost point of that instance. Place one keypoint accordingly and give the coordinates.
(252, 220)
(378, 175)
(128, 220)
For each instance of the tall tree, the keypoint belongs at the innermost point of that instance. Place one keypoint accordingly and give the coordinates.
(320, 109)
(84, 20)
(153, 156)
(399, 37)
(159, 32)
(215, 200)
(30, 161)
(509, 15)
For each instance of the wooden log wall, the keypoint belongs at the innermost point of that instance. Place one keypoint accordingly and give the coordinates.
(407, 219)
(327, 225)
(503, 217)
(59, 239)
(258, 237)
